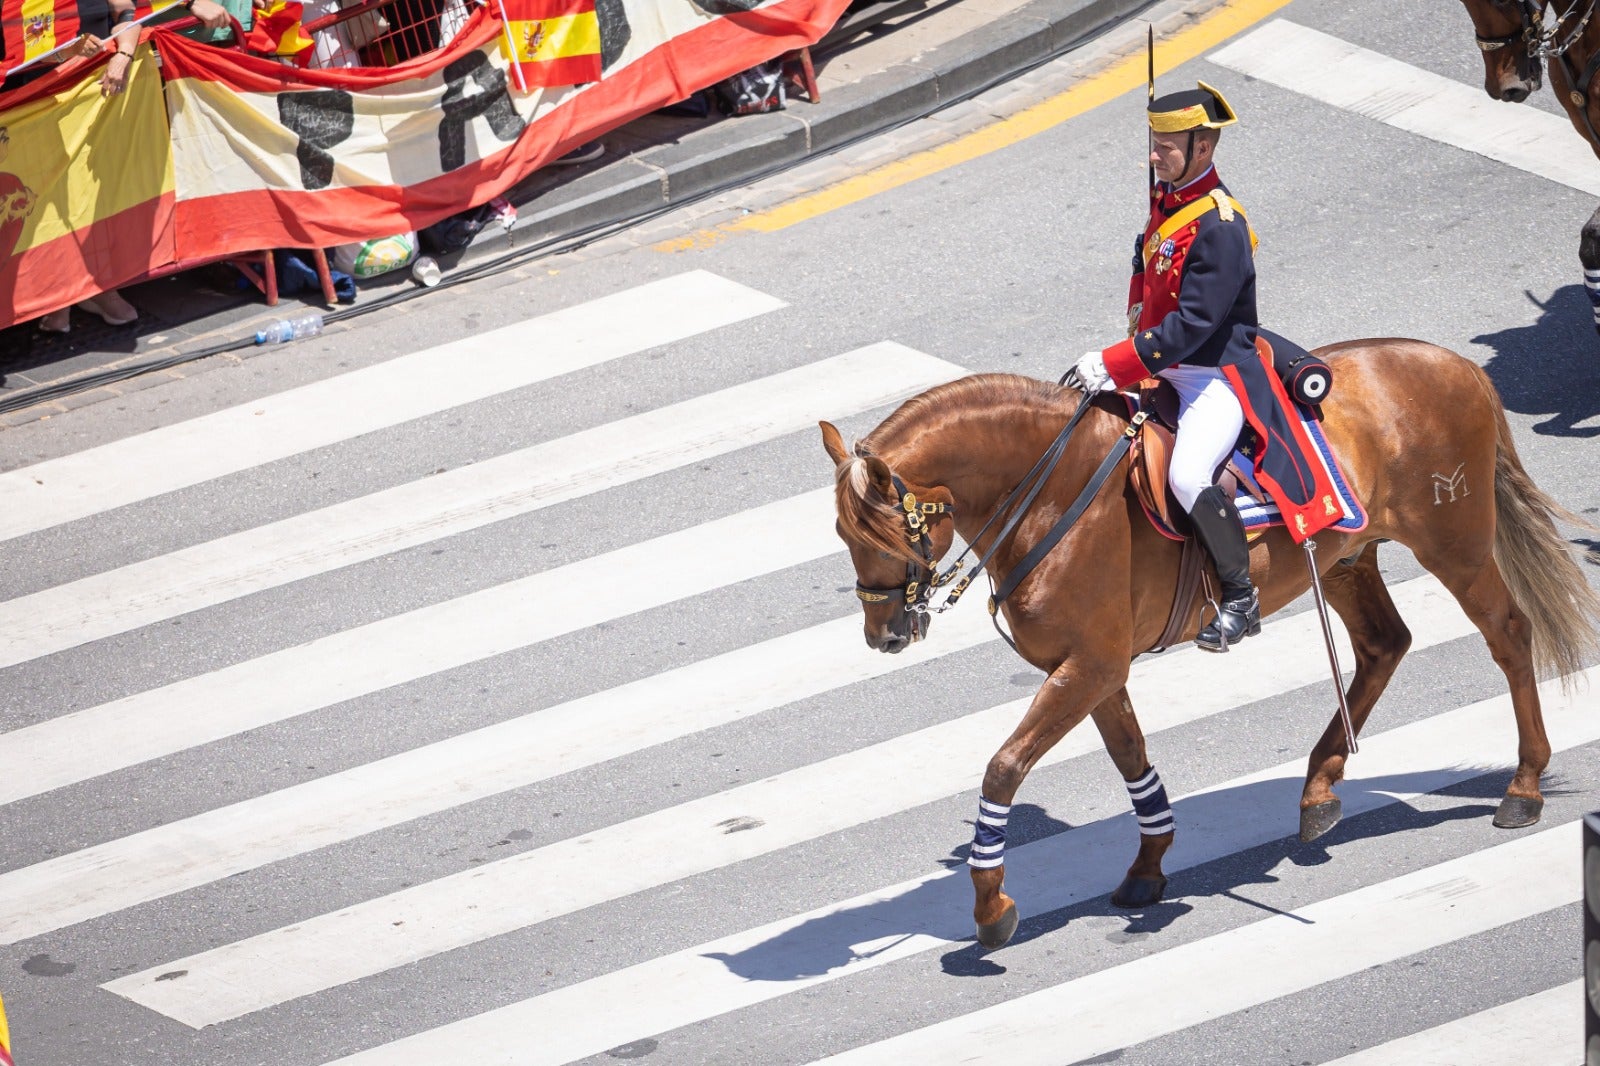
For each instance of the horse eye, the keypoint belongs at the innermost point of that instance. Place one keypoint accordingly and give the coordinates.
(883, 555)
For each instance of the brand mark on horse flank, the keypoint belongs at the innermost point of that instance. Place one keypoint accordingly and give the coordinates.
(1456, 480)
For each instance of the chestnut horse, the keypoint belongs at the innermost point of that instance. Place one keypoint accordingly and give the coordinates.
(1515, 37)
(1404, 418)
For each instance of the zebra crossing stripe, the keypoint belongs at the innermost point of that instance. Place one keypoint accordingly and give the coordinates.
(442, 505)
(1544, 1027)
(1108, 1010)
(847, 938)
(658, 848)
(342, 666)
(343, 407)
(1417, 101)
(534, 747)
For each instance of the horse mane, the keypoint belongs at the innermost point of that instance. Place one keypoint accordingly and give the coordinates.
(864, 513)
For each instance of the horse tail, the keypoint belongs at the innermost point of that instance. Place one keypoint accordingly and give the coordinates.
(1537, 563)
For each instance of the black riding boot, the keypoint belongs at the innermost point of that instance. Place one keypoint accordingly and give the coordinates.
(1219, 528)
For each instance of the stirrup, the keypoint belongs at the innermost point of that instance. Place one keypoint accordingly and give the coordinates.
(1232, 621)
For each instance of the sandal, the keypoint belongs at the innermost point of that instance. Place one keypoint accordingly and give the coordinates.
(59, 321)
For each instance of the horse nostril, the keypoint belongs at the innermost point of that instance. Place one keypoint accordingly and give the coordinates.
(1514, 95)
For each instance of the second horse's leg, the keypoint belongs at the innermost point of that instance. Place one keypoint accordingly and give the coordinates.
(1124, 741)
(1380, 639)
(1589, 255)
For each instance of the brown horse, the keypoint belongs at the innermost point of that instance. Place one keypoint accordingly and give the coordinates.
(1404, 417)
(1515, 38)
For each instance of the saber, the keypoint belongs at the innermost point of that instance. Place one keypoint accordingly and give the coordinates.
(1150, 89)
(1327, 638)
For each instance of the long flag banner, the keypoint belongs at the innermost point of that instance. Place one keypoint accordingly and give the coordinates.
(85, 187)
(266, 155)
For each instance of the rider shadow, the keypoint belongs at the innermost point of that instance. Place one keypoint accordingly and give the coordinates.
(842, 937)
(1534, 375)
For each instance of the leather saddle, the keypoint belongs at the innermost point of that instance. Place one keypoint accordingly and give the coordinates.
(1148, 461)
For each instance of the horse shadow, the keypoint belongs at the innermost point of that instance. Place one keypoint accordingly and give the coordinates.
(924, 915)
(1550, 367)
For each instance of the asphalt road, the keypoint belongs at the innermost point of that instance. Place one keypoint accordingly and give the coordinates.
(365, 747)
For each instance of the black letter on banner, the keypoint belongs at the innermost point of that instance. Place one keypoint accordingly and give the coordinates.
(726, 7)
(615, 32)
(321, 119)
(489, 101)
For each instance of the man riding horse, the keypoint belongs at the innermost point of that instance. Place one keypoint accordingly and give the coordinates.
(1191, 313)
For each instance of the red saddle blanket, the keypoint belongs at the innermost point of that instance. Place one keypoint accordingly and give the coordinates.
(1289, 475)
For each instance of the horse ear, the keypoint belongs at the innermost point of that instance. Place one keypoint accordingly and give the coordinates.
(882, 479)
(832, 443)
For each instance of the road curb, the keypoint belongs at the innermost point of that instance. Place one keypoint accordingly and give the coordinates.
(735, 151)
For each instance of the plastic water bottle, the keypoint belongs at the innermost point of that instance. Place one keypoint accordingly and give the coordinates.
(290, 329)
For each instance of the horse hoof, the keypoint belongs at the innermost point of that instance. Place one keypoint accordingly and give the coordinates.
(1518, 812)
(997, 934)
(1136, 893)
(1318, 819)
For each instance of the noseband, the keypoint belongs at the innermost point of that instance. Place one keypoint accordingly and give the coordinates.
(915, 591)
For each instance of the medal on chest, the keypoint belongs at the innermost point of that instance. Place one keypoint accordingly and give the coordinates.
(1164, 256)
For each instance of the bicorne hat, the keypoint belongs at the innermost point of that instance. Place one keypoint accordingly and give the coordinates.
(1191, 109)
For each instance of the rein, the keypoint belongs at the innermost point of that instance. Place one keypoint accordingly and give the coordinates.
(917, 595)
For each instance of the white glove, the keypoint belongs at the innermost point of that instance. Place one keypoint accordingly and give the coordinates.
(1091, 374)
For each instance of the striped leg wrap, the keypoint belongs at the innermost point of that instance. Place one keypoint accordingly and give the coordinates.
(989, 835)
(1591, 281)
(1150, 804)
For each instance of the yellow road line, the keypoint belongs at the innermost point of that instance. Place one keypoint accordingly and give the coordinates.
(1122, 76)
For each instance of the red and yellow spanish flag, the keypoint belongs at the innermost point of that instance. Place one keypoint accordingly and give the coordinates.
(277, 31)
(551, 42)
(5, 1037)
(34, 27)
(86, 186)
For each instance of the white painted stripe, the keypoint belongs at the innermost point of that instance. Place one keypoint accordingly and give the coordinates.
(677, 842)
(534, 747)
(434, 507)
(1545, 1027)
(369, 658)
(340, 408)
(847, 938)
(1417, 101)
(1327, 940)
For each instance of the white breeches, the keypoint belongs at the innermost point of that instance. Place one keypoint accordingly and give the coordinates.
(1209, 422)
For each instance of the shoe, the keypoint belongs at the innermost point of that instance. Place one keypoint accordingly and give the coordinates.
(110, 306)
(584, 153)
(1238, 618)
(56, 321)
(1218, 527)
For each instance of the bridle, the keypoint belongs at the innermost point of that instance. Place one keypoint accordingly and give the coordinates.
(916, 591)
(1540, 43)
